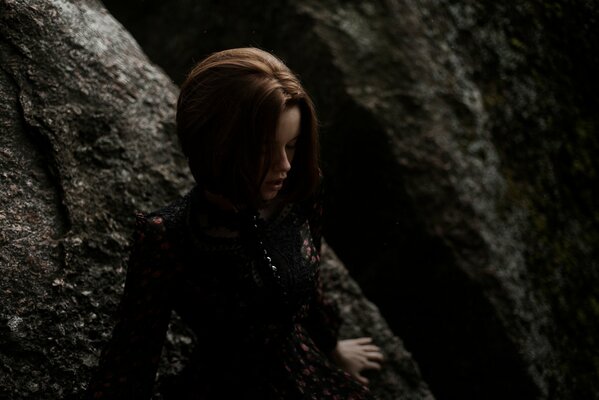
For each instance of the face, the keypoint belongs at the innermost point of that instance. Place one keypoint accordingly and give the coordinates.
(288, 130)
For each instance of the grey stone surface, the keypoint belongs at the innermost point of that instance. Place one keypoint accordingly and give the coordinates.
(460, 149)
(87, 139)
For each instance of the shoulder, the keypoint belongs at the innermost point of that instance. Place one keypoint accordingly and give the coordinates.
(164, 223)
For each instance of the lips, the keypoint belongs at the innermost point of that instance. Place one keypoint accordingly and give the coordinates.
(275, 182)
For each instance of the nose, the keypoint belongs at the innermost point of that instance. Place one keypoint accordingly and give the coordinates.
(281, 161)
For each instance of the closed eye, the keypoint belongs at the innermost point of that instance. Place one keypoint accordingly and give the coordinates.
(291, 145)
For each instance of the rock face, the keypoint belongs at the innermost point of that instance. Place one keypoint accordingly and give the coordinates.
(87, 140)
(460, 152)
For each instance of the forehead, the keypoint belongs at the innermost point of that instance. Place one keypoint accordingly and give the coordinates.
(288, 126)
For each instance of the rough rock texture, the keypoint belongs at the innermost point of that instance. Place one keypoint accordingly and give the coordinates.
(460, 151)
(87, 140)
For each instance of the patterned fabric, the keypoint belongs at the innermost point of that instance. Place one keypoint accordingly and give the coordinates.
(254, 341)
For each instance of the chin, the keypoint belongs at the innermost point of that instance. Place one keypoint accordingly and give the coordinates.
(269, 195)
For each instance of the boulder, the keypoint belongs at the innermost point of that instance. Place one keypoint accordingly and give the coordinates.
(87, 139)
(459, 150)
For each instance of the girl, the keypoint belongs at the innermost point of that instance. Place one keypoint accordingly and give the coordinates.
(237, 257)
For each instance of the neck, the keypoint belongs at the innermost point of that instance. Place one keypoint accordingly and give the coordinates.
(220, 201)
(270, 207)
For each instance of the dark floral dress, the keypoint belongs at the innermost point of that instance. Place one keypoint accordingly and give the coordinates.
(262, 333)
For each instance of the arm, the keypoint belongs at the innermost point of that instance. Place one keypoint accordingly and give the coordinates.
(352, 355)
(128, 364)
(324, 319)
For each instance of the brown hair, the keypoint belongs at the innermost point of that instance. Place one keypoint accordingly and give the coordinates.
(227, 112)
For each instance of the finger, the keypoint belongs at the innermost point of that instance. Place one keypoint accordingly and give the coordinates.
(363, 340)
(362, 380)
(370, 347)
(371, 365)
(358, 359)
(375, 356)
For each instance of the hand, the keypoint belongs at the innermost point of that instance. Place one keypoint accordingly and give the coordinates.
(356, 355)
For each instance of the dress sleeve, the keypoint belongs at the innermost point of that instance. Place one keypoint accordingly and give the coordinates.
(128, 364)
(323, 320)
